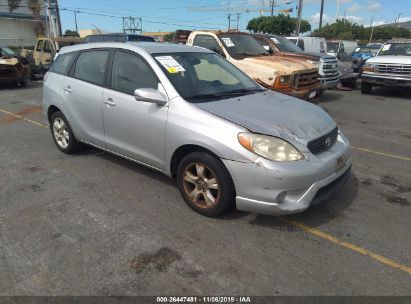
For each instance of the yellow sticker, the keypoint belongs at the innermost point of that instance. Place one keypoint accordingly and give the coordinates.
(172, 70)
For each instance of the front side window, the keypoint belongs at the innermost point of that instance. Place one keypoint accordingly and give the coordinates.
(47, 47)
(130, 72)
(240, 45)
(90, 66)
(300, 44)
(332, 47)
(62, 63)
(201, 77)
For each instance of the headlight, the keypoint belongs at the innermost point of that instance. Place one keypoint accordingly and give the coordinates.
(316, 63)
(269, 147)
(282, 81)
(368, 67)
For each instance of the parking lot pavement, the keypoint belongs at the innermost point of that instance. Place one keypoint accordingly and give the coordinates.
(95, 224)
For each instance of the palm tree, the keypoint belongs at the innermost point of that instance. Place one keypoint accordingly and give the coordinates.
(13, 4)
(35, 6)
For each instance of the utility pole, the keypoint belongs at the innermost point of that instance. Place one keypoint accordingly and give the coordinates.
(229, 21)
(397, 25)
(75, 20)
(238, 20)
(272, 7)
(372, 29)
(298, 26)
(338, 10)
(58, 21)
(321, 14)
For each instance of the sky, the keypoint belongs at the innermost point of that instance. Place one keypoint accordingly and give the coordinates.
(166, 15)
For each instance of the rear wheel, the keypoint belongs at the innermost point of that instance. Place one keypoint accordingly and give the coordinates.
(63, 135)
(366, 88)
(205, 184)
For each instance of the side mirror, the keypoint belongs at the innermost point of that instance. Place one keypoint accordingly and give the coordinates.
(150, 95)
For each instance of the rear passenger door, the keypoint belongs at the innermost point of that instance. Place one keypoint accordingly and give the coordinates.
(133, 128)
(83, 95)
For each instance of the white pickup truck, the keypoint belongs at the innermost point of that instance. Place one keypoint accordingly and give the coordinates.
(390, 68)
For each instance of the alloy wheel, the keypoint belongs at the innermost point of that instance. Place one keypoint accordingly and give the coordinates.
(201, 185)
(61, 133)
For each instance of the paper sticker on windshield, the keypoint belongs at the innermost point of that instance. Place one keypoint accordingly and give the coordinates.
(357, 49)
(170, 64)
(228, 42)
(386, 47)
(275, 40)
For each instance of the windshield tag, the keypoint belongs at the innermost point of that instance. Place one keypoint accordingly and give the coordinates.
(386, 47)
(170, 64)
(228, 42)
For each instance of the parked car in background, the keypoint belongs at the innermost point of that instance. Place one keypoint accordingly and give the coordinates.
(41, 57)
(190, 114)
(310, 44)
(117, 37)
(338, 47)
(13, 69)
(280, 46)
(365, 52)
(288, 76)
(390, 68)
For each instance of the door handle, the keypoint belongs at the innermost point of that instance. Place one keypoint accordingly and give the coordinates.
(110, 102)
(68, 89)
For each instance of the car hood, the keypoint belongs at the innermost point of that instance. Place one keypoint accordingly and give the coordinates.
(274, 114)
(390, 59)
(280, 64)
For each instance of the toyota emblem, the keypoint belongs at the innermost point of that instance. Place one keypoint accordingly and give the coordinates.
(327, 142)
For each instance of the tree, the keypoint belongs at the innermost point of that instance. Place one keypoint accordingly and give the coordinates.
(169, 37)
(280, 25)
(71, 33)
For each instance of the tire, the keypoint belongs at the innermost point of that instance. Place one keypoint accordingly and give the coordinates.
(213, 181)
(63, 135)
(366, 88)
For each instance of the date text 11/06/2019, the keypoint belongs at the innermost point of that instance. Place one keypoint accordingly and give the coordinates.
(204, 299)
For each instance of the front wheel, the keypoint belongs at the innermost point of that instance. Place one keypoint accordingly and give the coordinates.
(366, 88)
(205, 184)
(63, 135)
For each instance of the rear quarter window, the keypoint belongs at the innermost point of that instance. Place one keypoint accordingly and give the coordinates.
(62, 63)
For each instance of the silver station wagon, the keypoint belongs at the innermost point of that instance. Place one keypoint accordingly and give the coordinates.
(188, 113)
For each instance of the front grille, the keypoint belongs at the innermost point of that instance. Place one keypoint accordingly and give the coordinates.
(396, 69)
(329, 68)
(323, 143)
(305, 80)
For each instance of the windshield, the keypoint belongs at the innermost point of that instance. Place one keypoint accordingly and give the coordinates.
(242, 45)
(285, 45)
(396, 49)
(7, 52)
(366, 49)
(332, 47)
(201, 77)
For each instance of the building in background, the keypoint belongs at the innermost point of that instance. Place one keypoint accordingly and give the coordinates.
(159, 36)
(21, 23)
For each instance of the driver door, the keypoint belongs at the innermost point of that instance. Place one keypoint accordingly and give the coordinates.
(133, 128)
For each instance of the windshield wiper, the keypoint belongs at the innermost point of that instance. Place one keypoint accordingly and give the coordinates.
(225, 94)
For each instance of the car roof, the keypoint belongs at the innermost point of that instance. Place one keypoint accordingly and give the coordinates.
(150, 47)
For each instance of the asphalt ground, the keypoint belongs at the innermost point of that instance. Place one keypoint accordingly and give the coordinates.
(95, 224)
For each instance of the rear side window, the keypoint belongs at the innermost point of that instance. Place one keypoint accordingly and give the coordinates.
(62, 63)
(91, 66)
(208, 42)
(130, 72)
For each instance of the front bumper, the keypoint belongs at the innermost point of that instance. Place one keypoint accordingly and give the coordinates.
(267, 187)
(385, 80)
(327, 83)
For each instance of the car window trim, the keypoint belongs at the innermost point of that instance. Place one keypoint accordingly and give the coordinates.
(73, 66)
(110, 67)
